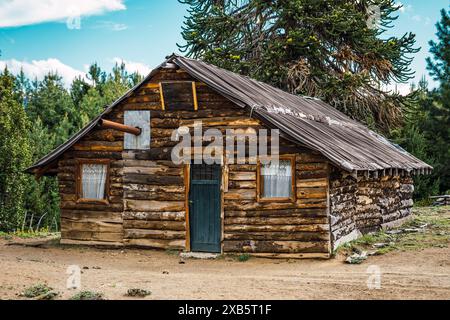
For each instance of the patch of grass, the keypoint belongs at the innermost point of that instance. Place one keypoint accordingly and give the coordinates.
(243, 257)
(430, 227)
(27, 234)
(173, 252)
(88, 295)
(141, 293)
(40, 291)
(5, 236)
(423, 203)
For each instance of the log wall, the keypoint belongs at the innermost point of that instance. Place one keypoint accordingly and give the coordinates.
(297, 229)
(147, 199)
(367, 203)
(93, 223)
(148, 195)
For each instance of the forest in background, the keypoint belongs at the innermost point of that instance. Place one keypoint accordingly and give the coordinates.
(36, 117)
(331, 54)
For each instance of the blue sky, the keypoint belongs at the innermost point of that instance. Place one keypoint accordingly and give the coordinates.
(38, 37)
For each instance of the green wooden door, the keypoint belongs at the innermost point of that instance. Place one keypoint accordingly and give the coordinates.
(204, 208)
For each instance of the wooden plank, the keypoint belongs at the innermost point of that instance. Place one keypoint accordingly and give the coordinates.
(194, 93)
(152, 206)
(317, 174)
(275, 246)
(187, 184)
(311, 193)
(241, 176)
(243, 194)
(164, 196)
(81, 215)
(276, 228)
(291, 236)
(91, 243)
(153, 188)
(90, 225)
(241, 185)
(154, 225)
(92, 236)
(156, 243)
(156, 170)
(275, 221)
(296, 212)
(161, 96)
(152, 179)
(312, 183)
(106, 146)
(73, 205)
(154, 216)
(154, 234)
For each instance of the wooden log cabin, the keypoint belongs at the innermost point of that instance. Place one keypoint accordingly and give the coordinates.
(335, 179)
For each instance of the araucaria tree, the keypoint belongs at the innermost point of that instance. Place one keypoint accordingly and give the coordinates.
(14, 153)
(331, 49)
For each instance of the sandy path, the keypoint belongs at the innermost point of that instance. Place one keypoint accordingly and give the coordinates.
(405, 275)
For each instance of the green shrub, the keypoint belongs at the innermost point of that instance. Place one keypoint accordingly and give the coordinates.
(138, 293)
(37, 290)
(88, 295)
(243, 257)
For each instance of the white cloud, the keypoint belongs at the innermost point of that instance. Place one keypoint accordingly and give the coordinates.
(39, 68)
(15, 13)
(132, 66)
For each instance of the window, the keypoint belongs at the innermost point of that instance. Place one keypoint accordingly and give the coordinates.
(93, 180)
(276, 180)
(180, 95)
(140, 119)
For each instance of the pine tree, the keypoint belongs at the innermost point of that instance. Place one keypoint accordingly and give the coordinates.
(14, 154)
(322, 48)
(426, 132)
(437, 123)
(439, 66)
(51, 102)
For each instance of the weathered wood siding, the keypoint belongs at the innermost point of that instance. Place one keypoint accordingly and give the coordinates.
(148, 194)
(93, 223)
(293, 229)
(363, 204)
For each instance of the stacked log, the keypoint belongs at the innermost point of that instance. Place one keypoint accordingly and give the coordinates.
(154, 197)
(290, 229)
(148, 193)
(343, 204)
(92, 223)
(367, 203)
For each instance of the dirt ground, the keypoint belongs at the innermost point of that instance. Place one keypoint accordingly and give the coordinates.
(421, 274)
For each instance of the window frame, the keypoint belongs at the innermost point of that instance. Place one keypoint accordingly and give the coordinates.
(260, 184)
(79, 177)
(194, 93)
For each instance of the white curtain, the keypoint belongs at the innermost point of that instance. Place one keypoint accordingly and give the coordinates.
(277, 179)
(93, 181)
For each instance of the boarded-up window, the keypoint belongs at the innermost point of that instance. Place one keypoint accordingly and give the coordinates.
(140, 119)
(179, 95)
